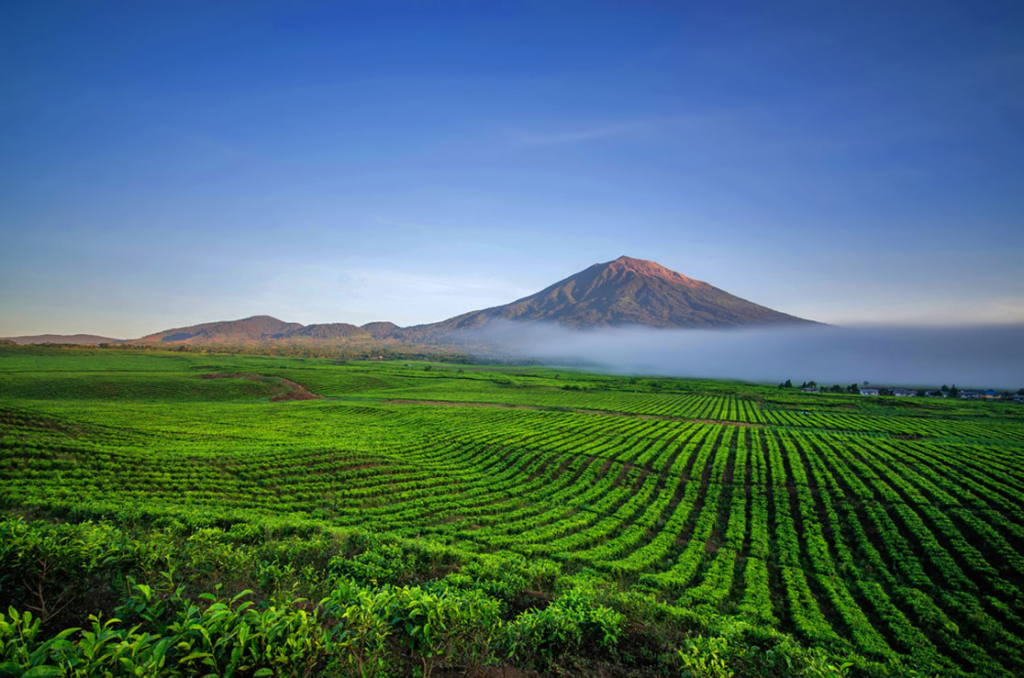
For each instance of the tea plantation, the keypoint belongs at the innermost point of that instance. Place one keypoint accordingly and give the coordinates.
(182, 514)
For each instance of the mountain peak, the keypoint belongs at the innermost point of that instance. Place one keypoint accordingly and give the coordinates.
(631, 260)
(650, 269)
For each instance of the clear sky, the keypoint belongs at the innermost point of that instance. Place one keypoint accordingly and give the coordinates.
(169, 163)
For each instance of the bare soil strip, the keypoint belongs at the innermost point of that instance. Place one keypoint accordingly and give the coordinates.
(296, 391)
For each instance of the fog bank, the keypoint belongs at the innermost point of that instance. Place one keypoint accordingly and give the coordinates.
(974, 357)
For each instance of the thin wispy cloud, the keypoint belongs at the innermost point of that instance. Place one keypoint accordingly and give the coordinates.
(719, 121)
(584, 134)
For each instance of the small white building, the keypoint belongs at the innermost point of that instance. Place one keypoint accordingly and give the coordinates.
(904, 392)
(869, 391)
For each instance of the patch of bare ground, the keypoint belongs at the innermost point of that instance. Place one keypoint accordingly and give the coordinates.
(295, 395)
(296, 391)
(907, 436)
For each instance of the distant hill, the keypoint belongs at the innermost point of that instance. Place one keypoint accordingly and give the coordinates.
(266, 329)
(248, 330)
(382, 330)
(626, 291)
(63, 339)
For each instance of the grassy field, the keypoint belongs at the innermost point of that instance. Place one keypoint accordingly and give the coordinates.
(424, 518)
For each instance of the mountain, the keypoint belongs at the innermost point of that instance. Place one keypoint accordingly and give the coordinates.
(64, 339)
(626, 291)
(258, 328)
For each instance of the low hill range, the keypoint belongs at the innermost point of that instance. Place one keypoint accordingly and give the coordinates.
(63, 339)
(623, 292)
(264, 328)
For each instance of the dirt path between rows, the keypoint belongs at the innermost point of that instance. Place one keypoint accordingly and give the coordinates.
(577, 410)
(296, 391)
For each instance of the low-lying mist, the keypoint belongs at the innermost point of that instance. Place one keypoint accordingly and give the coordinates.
(975, 357)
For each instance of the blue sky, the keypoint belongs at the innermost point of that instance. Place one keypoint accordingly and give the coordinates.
(168, 163)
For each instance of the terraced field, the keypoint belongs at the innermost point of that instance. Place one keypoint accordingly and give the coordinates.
(887, 531)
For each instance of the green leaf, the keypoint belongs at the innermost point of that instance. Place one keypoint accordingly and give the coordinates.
(160, 650)
(247, 592)
(44, 672)
(263, 673)
(66, 632)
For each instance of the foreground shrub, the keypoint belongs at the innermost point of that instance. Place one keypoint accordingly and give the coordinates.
(358, 640)
(449, 628)
(570, 624)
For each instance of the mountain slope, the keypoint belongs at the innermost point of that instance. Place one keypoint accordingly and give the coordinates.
(325, 332)
(626, 291)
